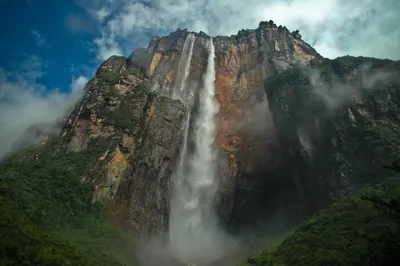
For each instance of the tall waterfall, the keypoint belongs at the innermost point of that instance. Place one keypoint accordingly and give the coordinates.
(193, 232)
(183, 69)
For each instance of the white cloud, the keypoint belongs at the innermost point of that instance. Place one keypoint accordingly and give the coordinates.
(107, 47)
(333, 27)
(40, 39)
(101, 14)
(337, 93)
(77, 84)
(25, 102)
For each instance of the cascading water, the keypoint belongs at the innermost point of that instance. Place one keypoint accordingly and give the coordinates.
(193, 232)
(179, 91)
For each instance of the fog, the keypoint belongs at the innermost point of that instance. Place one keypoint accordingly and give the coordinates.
(24, 103)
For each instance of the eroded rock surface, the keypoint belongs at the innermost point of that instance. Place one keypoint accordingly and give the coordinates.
(138, 134)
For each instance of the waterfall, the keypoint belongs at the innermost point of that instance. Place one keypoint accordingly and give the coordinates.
(185, 95)
(193, 232)
(179, 91)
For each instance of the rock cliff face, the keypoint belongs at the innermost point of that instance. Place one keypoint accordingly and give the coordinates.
(282, 154)
(338, 123)
(243, 61)
(138, 136)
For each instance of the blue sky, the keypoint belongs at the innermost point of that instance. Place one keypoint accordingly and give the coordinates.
(50, 48)
(59, 33)
(40, 28)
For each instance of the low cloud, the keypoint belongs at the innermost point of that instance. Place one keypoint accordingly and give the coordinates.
(337, 93)
(24, 103)
(333, 27)
(78, 83)
(101, 14)
(257, 120)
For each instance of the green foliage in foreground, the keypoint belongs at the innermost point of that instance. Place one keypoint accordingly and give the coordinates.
(351, 231)
(46, 213)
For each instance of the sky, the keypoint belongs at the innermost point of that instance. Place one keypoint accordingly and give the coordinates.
(50, 48)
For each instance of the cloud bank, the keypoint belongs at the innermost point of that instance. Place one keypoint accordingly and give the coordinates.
(332, 27)
(24, 102)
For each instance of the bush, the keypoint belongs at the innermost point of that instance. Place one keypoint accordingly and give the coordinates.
(110, 76)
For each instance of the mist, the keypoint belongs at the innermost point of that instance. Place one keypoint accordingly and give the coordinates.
(25, 103)
(256, 120)
(337, 93)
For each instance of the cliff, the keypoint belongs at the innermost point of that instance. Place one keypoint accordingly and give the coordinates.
(126, 111)
(285, 151)
(337, 124)
(243, 62)
(138, 134)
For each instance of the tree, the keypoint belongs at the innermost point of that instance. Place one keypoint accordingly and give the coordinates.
(390, 253)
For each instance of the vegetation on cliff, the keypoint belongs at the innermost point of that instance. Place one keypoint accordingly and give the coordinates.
(47, 211)
(341, 116)
(348, 109)
(47, 216)
(351, 231)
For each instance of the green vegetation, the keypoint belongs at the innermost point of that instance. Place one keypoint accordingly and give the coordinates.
(293, 89)
(136, 71)
(362, 131)
(127, 115)
(351, 231)
(110, 77)
(46, 212)
(141, 90)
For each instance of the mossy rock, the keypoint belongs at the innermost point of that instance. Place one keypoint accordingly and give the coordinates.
(110, 77)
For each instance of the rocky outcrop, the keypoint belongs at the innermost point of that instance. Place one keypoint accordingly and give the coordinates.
(143, 200)
(137, 134)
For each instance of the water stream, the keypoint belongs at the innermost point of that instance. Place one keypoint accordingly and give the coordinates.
(193, 232)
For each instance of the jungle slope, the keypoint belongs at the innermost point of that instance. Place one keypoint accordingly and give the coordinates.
(47, 216)
(352, 231)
